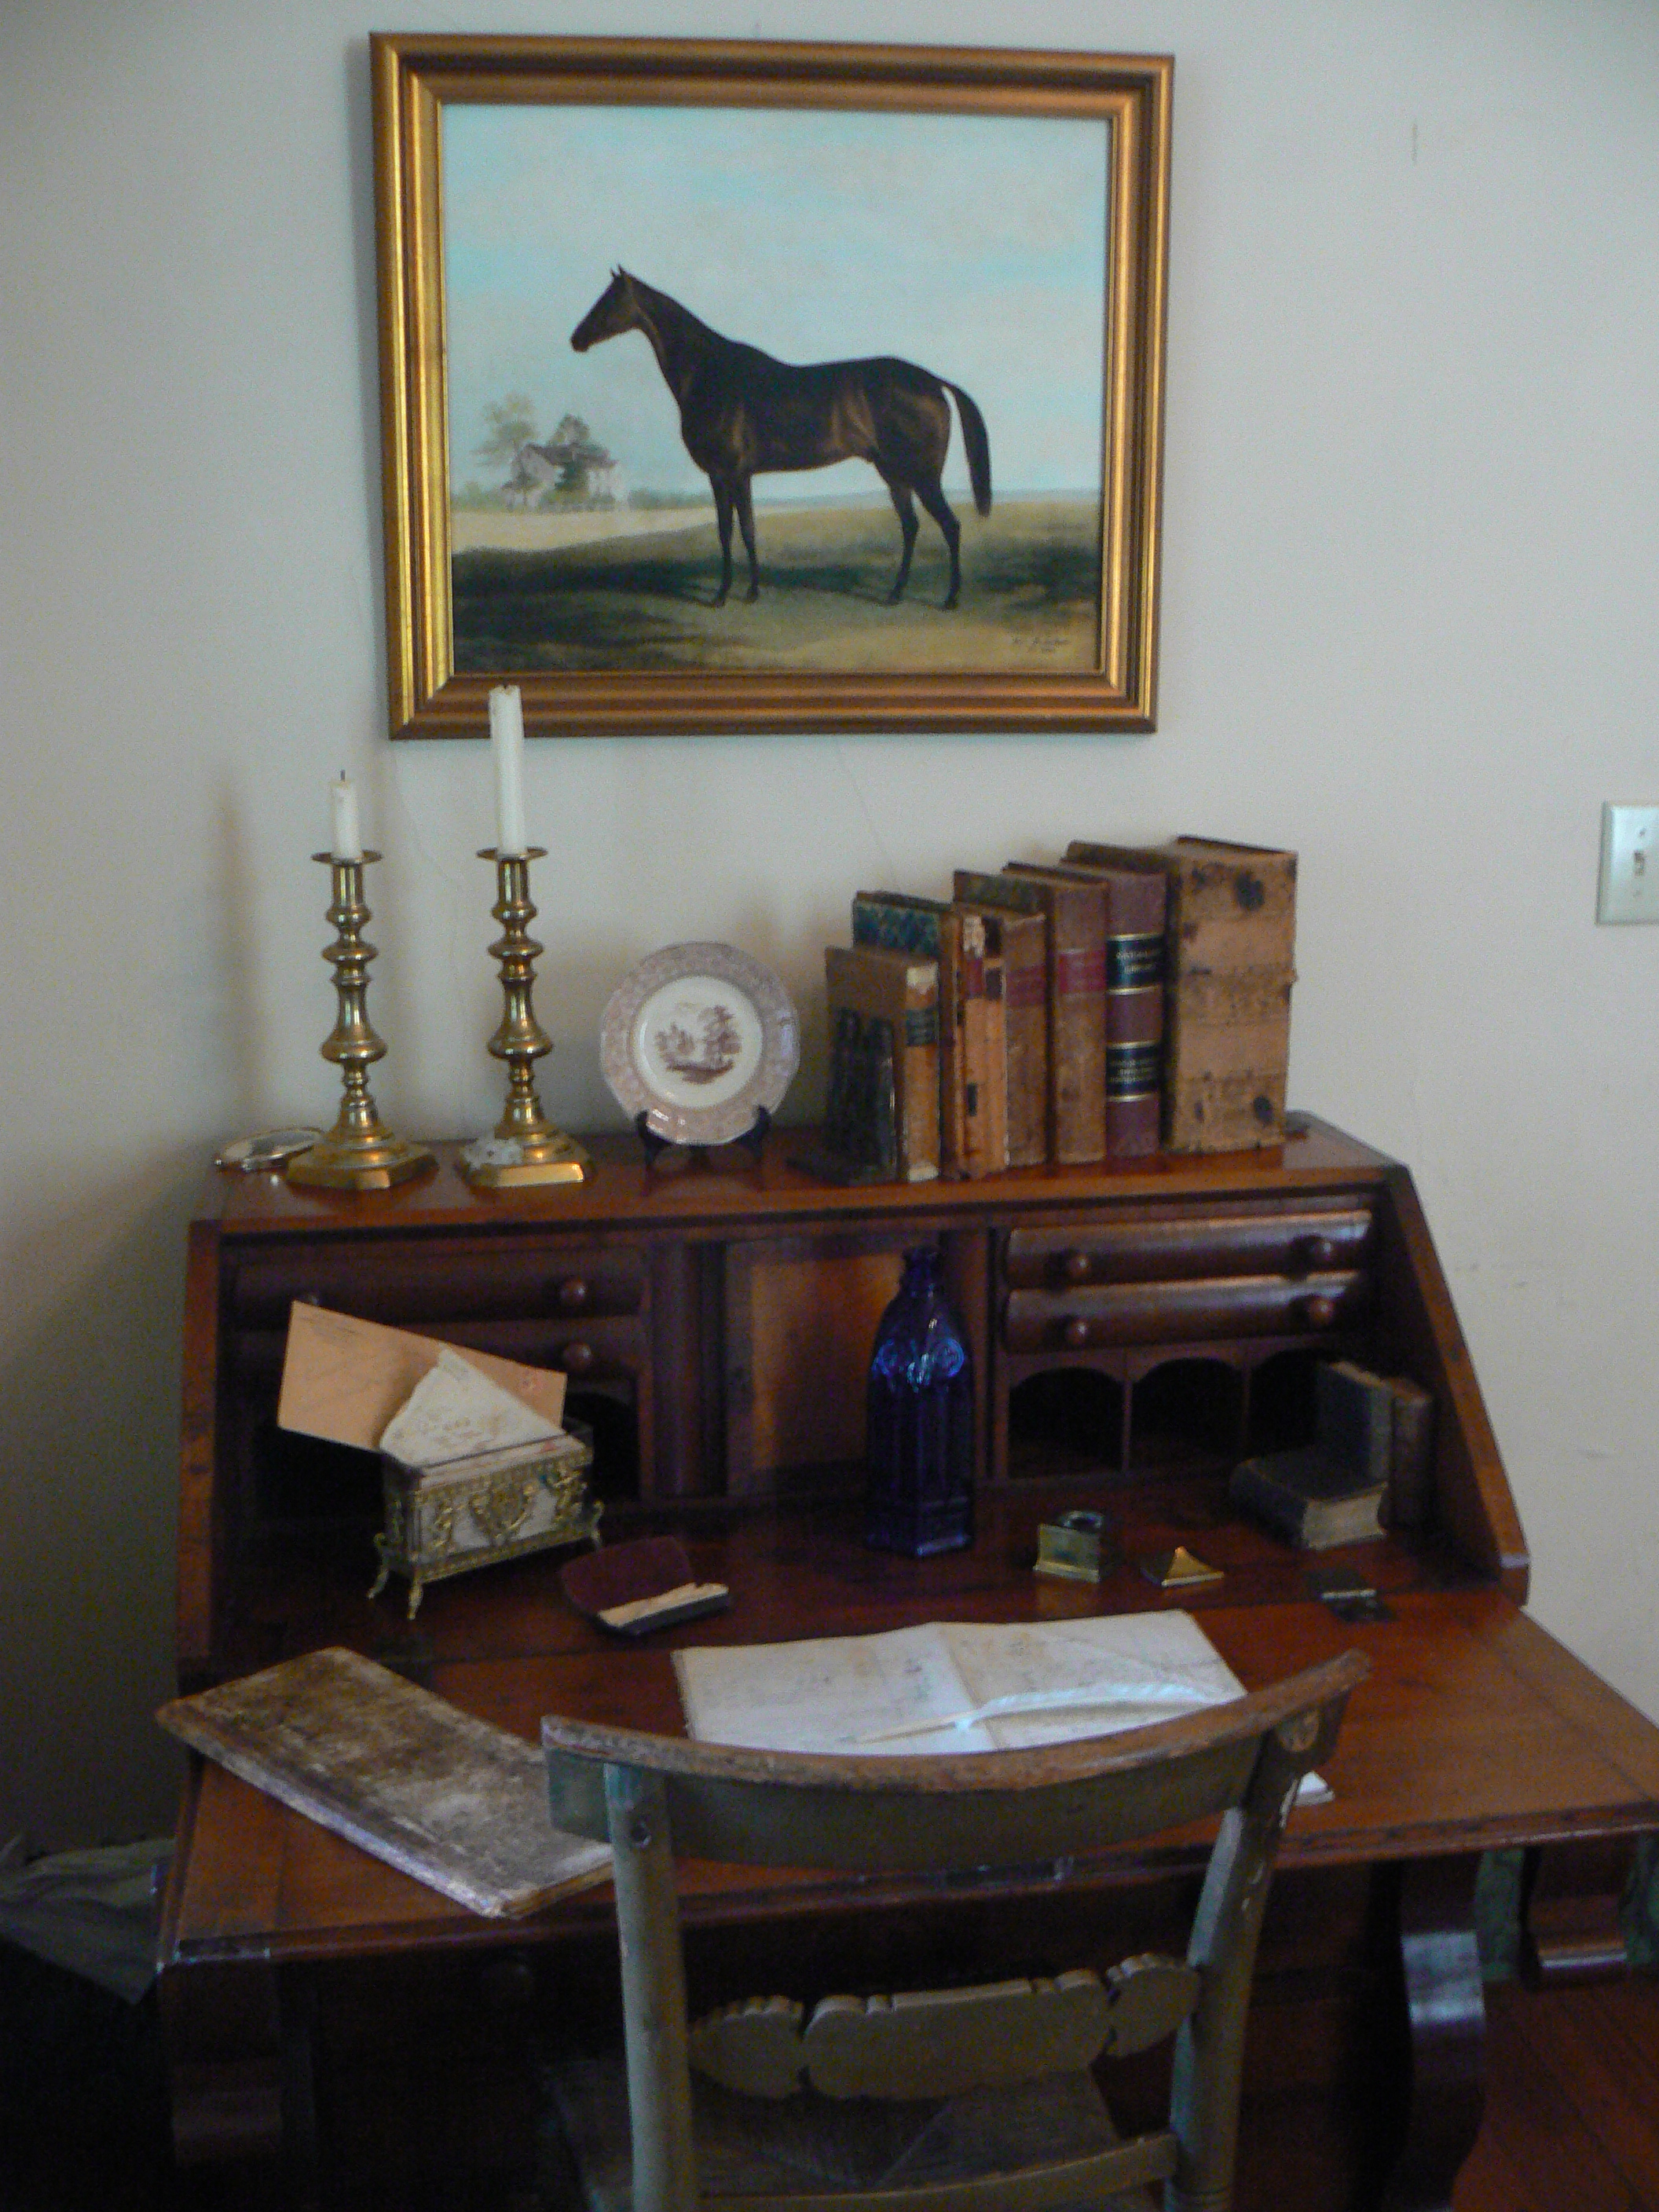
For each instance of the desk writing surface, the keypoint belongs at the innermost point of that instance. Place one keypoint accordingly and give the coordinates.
(1476, 1729)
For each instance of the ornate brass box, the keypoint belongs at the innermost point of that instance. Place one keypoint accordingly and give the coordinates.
(466, 1513)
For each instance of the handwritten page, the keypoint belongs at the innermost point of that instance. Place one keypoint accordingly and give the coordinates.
(954, 1685)
(454, 1412)
(957, 1686)
(829, 1693)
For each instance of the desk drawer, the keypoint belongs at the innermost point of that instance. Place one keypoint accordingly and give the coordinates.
(407, 1281)
(1181, 1312)
(1197, 1245)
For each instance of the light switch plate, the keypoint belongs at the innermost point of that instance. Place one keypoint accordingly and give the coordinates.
(1630, 864)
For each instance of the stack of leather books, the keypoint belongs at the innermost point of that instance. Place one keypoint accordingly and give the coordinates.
(1124, 1000)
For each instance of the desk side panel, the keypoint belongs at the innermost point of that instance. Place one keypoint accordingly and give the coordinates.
(1473, 1503)
(201, 1520)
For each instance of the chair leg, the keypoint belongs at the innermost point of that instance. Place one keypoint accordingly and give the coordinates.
(653, 1993)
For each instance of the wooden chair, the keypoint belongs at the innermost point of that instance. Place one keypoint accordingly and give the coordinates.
(953, 2059)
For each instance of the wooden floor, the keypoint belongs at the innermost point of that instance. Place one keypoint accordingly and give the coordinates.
(1572, 2114)
(1572, 2102)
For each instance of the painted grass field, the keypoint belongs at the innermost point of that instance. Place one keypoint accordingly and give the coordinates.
(644, 599)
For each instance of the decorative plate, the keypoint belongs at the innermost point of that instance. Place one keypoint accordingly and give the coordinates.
(697, 1038)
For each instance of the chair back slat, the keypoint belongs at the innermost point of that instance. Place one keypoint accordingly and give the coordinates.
(925, 1814)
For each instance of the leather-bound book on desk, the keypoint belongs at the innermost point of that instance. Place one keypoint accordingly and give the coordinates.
(1230, 936)
(1075, 904)
(1016, 947)
(972, 1065)
(1137, 905)
(895, 994)
(1075, 913)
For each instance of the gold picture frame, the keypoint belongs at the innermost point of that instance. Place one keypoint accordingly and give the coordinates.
(1056, 627)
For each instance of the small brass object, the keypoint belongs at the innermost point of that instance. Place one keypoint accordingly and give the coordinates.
(359, 1152)
(1178, 1570)
(1074, 1545)
(524, 1147)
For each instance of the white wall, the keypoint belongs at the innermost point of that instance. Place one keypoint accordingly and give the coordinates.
(1411, 555)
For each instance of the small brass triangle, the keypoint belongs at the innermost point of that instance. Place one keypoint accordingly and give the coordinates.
(1178, 1570)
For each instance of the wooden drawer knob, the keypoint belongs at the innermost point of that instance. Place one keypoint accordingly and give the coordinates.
(1076, 1267)
(1314, 1253)
(1076, 1333)
(1319, 1312)
(577, 1359)
(573, 1294)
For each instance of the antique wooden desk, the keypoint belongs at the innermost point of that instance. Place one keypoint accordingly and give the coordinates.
(1134, 1333)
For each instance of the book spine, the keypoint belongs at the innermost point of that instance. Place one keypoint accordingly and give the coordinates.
(982, 1053)
(861, 1121)
(1025, 1026)
(1076, 1026)
(1410, 1469)
(953, 1139)
(1231, 934)
(894, 999)
(1135, 907)
(1075, 904)
(1022, 928)
(1354, 1416)
(1253, 1487)
(893, 921)
(916, 1061)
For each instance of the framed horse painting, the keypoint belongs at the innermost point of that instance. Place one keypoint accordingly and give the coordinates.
(770, 387)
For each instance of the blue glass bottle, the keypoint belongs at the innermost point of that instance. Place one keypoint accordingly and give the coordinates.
(918, 1446)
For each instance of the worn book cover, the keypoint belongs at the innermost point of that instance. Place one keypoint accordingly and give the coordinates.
(983, 1017)
(895, 995)
(972, 1056)
(1019, 941)
(1411, 1464)
(1137, 900)
(451, 1801)
(860, 1119)
(1353, 1414)
(897, 921)
(1075, 978)
(1230, 935)
(1308, 1497)
(1076, 908)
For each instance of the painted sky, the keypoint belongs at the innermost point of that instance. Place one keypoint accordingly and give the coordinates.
(974, 245)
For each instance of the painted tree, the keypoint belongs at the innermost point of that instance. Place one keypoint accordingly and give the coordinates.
(508, 424)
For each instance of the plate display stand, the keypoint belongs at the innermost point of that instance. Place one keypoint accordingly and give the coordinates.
(752, 1140)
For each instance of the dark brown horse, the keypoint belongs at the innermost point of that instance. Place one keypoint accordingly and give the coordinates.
(742, 414)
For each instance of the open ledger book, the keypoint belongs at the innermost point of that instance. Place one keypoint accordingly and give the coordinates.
(957, 1686)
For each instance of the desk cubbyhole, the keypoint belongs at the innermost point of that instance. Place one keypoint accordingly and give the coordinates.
(1282, 1402)
(611, 1414)
(1066, 1421)
(1184, 1411)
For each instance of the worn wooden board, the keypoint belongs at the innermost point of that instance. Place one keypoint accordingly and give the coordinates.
(447, 1799)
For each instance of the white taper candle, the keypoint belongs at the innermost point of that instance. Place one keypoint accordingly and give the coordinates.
(348, 843)
(507, 748)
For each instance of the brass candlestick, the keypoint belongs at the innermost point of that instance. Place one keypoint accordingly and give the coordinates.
(524, 1147)
(359, 1152)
